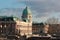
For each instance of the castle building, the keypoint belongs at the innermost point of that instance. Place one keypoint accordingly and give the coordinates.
(40, 28)
(25, 25)
(13, 25)
(37, 28)
(7, 25)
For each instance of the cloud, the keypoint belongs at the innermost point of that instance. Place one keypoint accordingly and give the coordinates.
(40, 8)
(44, 6)
(11, 12)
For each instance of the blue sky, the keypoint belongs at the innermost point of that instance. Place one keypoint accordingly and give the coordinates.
(10, 4)
(41, 9)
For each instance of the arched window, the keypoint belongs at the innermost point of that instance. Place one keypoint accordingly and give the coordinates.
(29, 16)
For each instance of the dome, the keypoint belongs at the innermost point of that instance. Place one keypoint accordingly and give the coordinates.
(26, 11)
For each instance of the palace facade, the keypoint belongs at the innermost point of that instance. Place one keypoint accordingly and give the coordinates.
(10, 25)
(13, 25)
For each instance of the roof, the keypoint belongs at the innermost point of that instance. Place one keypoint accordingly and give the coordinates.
(38, 23)
(7, 18)
(26, 11)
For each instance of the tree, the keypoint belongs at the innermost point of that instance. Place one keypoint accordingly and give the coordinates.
(52, 20)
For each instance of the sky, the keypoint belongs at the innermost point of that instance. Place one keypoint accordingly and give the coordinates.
(41, 9)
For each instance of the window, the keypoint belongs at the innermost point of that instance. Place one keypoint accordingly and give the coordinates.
(5, 26)
(29, 16)
(1, 26)
(24, 20)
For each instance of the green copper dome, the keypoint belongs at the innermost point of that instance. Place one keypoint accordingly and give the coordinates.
(26, 11)
(25, 14)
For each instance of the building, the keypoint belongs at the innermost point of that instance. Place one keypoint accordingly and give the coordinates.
(7, 25)
(13, 25)
(54, 29)
(37, 28)
(25, 25)
(40, 28)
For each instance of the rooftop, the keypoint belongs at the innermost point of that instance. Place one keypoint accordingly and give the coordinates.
(8, 18)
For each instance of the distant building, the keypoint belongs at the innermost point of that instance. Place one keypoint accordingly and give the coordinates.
(7, 25)
(46, 28)
(40, 28)
(54, 29)
(14, 25)
(37, 28)
(25, 25)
